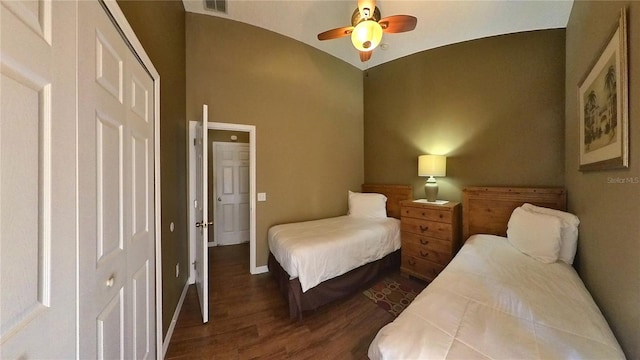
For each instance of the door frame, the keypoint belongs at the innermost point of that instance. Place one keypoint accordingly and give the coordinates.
(251, 129)
(113, 10)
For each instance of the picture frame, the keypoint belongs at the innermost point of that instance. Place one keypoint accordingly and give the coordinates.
(603, 106)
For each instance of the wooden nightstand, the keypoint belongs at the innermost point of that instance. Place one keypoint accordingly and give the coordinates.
(430, 237)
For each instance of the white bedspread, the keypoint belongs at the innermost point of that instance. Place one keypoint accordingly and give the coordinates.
(493, 302)
(315, 251)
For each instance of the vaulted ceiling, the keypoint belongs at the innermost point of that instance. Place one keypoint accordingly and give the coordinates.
(440, 22)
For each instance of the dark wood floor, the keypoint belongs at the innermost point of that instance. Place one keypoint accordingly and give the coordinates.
(249, 319)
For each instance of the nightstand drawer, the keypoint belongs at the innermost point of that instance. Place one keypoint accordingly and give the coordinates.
(427, 252)
(429, 228)
(439, 245)
(420, 267)
(427, 214)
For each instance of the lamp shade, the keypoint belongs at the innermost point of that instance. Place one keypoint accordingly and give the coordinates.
(432, 165)
(366, 35)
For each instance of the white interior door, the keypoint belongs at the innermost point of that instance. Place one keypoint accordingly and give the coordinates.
(37, 179)
(202, 222)
(115, 194)
(232, 193)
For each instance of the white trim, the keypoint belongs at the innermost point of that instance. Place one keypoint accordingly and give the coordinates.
(214, 186)
(261, 269)
(129, 34)
(174, 321)
(251, 129)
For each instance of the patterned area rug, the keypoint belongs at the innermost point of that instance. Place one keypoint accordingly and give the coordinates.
(392, 295)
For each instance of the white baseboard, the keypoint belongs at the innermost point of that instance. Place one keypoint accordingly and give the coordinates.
(174, 320)
(261, 270)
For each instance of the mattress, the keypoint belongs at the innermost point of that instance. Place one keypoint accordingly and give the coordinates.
(315, 251)
(494, 302)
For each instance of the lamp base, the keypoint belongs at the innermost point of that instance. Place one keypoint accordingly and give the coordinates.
(431, 189)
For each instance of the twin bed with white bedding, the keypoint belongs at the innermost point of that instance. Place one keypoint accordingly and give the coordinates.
(508, 293)
(319, 250)
(316, 262)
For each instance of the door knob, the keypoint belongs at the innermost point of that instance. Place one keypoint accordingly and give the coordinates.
(110, 281)
(219, 198)
(199, 224)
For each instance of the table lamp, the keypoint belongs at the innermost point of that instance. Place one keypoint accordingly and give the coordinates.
(431, 166)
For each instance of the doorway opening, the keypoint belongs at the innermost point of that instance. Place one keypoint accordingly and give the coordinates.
(228, 187)
(226, 129)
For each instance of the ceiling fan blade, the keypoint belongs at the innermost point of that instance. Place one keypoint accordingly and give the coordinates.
(398, 23)
(365, 55)
(335, 33)
(366, 4)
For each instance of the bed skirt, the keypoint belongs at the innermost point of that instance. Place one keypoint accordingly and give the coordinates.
(329, 290)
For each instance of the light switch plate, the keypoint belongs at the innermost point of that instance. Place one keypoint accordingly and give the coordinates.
(262, 196)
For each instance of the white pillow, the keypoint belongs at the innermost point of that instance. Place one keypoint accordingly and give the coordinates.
(537, 235)
(367, 205)
(568, 234)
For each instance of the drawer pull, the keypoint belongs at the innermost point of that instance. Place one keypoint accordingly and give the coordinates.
(423, 215)
(424, 254)
(423, 228)
(441, 216)
(424, 242)
(412, 262)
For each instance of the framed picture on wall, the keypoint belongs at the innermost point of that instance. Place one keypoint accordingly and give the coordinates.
(603, 106)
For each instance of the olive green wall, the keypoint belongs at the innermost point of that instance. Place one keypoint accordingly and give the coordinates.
(306, 106)
(607, 202)
(494, 106)
(225, 136)
(159, 25)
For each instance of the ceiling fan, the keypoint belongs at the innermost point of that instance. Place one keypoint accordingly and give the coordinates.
(367, 27)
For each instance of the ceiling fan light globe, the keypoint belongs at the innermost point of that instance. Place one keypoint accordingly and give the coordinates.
(366, 35)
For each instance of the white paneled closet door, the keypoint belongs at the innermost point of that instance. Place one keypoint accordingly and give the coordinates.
(37, 179)
(116, 201)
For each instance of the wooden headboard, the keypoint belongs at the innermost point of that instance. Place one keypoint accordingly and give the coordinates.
(486, 210)
(394, 194)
